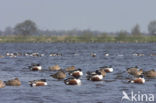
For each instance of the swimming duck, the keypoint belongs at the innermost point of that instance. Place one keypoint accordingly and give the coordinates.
(13, 82)
(55, 68)
(153, 54)
(55, 54)
(150, 73)
(106, 54)
(89, 74)
(35, 67)
(76, 73)
(134, 71)
(95, 77)
(138, 54)
(93, 54)
(35, 55)
(35, 83)
(59, 75)
(139, 80)
(2, 84)
(10, 55)
(69, 69)
(107, 69)
(103, 72)
(72, 81)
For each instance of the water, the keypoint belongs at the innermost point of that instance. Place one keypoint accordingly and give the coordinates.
(78, 54)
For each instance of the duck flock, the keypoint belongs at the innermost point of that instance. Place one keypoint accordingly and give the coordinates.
(72, 75)
(36, 54)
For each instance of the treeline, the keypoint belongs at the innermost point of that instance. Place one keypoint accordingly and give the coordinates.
(77, 39)
(27, 31)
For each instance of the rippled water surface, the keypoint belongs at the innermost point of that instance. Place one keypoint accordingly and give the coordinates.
(107, 91)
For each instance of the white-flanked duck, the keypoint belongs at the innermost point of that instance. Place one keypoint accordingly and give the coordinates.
(139, 80)
(36, 83)
(97, 76)
(107, 69)
(76, 73)
(35, 67)
(72, 81)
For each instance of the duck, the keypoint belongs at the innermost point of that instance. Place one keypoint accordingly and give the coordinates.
(153, 54)
(35, 55)
(88, 73)
(150, 73)
(138, 54)
(106, 54)
(72, 81)
(59, 75)
(55, 68)
(10, 55)
(97, 76)
(76, 73)
(139, 80)
(107, 69)
(36, 83)
(103, 72)
(2, 84)
(135, 71)
(93, 54)
(13, 82)
(35, 67)
(55, 54)
(71, 68)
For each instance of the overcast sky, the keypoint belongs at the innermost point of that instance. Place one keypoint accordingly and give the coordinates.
(102, 15)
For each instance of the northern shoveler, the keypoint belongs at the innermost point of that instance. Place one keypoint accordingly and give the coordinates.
(59, 75)
(35, 83)
(76, 73)
(13, 82)
(97, 76)
(103, 72)
(93, 54)
(107, 69)
(139, 80)
(150, 73)
(69, 69)
(135, 71)
(55, 68)
(72, 81)
(35, 67)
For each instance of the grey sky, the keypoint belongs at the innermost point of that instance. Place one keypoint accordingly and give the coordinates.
(102, 15)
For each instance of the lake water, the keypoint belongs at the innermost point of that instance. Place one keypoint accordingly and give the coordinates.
(78, 54)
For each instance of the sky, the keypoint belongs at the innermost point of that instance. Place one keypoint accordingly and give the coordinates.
(100, 15)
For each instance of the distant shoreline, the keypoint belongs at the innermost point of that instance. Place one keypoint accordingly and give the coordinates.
(78, 39)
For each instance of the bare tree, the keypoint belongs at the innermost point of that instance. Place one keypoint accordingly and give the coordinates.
(152, 27)
(136, 30)
(25, 28)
